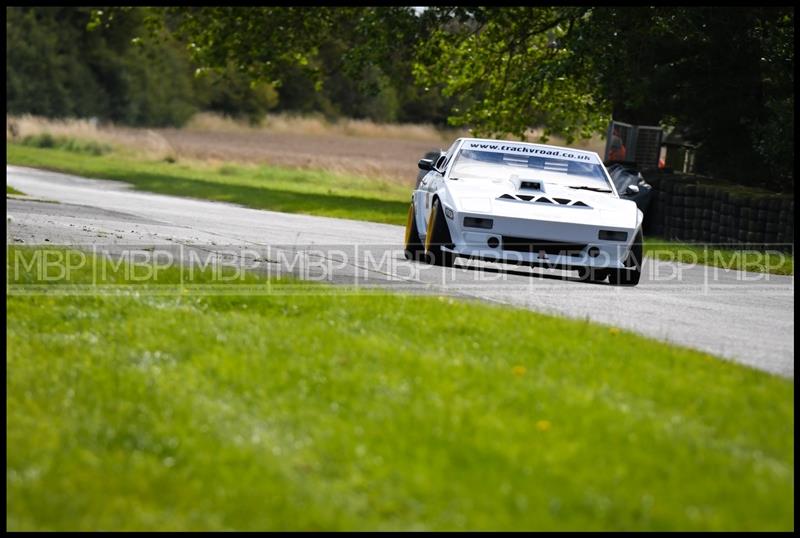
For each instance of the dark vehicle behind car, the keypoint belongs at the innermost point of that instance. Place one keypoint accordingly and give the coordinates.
(631, 185)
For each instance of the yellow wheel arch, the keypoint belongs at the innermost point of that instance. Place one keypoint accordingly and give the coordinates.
(430, 228)
(409, 223)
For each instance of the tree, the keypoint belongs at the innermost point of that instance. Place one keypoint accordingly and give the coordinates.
(725, 75)
(263, 42)
(511, 71)
(232, 93)
(44, 71)
(351, 61)
(56, 68)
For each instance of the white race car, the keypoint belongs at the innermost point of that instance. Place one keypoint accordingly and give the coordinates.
(524, 203)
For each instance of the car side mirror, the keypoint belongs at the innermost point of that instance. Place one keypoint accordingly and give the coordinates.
(631, 190)
(425, 164)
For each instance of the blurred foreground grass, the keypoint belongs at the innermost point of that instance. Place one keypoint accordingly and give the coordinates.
(342, 410)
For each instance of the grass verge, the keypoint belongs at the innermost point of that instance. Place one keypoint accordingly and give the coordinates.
(48, 141)
(755, 259)
(313, 192)
(341, 410)
(12, 190)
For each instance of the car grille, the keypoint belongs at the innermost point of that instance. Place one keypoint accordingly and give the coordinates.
(541, 200)
(554, 248)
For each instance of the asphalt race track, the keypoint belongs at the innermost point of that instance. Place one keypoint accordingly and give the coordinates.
(745, 317)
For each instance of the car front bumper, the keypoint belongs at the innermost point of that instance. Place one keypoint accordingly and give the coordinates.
(538, 242)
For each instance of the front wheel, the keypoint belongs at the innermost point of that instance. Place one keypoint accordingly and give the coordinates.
(437, 235)
(630, 277)
(414, 248)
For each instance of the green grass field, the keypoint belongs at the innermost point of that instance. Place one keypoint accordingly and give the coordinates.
(341, 410)
(12, 190)
(313, 192)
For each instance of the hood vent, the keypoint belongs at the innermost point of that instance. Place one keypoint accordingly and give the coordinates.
(542, 200)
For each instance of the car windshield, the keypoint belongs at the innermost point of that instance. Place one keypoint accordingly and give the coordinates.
(475, 164)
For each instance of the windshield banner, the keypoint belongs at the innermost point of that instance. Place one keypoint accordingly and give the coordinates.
(533, 149)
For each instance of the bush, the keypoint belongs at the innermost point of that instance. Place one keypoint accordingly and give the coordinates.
(86, 147)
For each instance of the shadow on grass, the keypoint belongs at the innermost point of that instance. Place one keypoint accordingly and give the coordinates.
(330, 205)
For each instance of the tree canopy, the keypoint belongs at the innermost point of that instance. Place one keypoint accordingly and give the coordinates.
(723, 75)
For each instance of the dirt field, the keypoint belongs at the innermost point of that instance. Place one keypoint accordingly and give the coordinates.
(390, 158)
(349, 146)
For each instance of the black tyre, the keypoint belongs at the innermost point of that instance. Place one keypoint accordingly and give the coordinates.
(414, 249)
(586, 274)
(438, 234)
(630, 277)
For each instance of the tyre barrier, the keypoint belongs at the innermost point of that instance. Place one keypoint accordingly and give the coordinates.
(683, 208)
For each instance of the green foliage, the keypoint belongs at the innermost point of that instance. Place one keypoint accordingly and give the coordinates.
(511, 72)
(156, 66)
(232, 93)
(724, 75)
(261, 41)
(773, 132)
(48, 141)
(68, 62)
(45, 72)
(56, 68)
(315, 408)
(352, 62)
